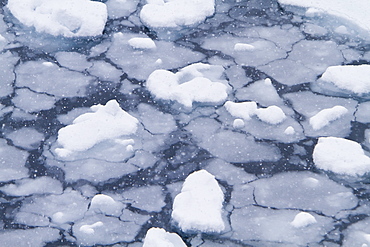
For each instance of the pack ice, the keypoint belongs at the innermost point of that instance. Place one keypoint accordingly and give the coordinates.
(173, 123)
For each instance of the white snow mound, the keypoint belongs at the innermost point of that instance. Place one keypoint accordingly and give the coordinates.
(199, 205)
(158, 237)
(104, 123)
(69, 18)
(303, 219)
(340, 155)
(324, 117)
(176, 13)
(195, 83)
(354, 78)
(246, 110)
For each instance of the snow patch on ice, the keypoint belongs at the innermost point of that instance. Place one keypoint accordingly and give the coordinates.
(324, 117)
(303, 219)
(142, 43)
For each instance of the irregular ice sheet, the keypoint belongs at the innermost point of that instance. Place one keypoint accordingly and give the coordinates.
(68, 18)
(12, 162)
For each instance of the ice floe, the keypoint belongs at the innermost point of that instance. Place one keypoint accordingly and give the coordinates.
(106, 122)
(157, 237)
(199, 205)
(67, 18)
(194, 83)
(341, 156)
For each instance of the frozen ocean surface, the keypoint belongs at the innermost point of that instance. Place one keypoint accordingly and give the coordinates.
(172, 123)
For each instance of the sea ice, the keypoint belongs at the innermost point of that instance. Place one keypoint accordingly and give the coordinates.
(191, 84)
(106, 205)
(175, 13)
(302, 192)
(36, 237)
(7, 62)
(46, 77)
(349, 80)
(147, 198)
(103, 230)
(28, 186)
(199, 205)
(27, 138)
(268, 227)
(121, 8)
(12, 162)
(30, 101)
(106, 122)
(139, 64)
(61, 209)
(351, 11)
(309, 104)
(69, 18)
(340, 155)
(158, 237)
(272, 114)
(324, 117)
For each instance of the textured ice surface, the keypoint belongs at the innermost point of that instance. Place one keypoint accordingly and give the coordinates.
(103, 130)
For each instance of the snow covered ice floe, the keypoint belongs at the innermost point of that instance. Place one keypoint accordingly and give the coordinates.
(195, 83)
(104, 123)
(198, 207)
(68, 18)
(158, 237)
(175, 13)
(345, 80)
(353, 12)
(341, 156)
